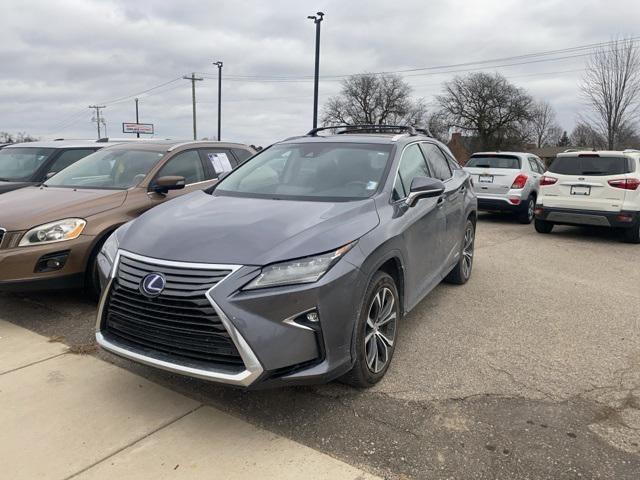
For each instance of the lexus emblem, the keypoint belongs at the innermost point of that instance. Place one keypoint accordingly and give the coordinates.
(153, 284)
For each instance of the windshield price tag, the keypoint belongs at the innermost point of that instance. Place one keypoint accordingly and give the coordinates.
(220, 162)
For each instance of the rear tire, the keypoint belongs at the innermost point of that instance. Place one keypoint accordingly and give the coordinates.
(462, 271)
(542, 226)
(526, 216)
(375, 332)
(632, 235)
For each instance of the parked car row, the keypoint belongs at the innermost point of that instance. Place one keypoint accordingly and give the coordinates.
(293, 266)
(592, 188)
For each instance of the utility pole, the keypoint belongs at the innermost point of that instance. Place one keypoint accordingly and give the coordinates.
(97, 109)
(193, 80)
(137, 118)
(219, 64)
(317, 19)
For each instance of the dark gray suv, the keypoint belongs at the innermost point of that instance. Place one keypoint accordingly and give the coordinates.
(295, 268)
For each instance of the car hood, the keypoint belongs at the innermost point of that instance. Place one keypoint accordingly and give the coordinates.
(203, 228)
(10, 186)
(28, 207)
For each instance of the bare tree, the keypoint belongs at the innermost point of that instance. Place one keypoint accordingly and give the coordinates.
(544, 128)
(584, 135)
(611, 86)
(487, 106)
(19, 137)
(375, 100)
(437, 124)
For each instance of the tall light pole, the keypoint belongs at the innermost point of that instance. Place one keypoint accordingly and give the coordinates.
(219, 64)
(137, 118)
(317, 19)
(193, 80)
(97, 108)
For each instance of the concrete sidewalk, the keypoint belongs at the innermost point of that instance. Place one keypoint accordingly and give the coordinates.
(64, 415)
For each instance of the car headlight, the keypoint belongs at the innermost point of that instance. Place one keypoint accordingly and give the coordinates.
(302, 270)
(59, 231)
(110, 248)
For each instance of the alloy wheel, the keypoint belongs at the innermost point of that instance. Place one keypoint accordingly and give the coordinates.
(530, 209)
(467, 250)
(380, 330)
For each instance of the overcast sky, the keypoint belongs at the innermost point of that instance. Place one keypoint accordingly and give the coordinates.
(58, 57)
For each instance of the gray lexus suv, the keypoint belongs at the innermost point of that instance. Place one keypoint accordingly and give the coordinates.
(295, 268)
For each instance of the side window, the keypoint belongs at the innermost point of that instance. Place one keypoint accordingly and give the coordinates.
(220, 160)
(542, 166)
(241, 154)
(67, 158)
(437, 162)
(534, 165)
(186, 164)
(412, 165)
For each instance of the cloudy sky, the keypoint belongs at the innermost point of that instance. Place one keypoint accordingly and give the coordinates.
(57, 57)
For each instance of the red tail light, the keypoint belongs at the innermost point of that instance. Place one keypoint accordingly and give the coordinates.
(519, 182)
(625, 183)
(544, 180)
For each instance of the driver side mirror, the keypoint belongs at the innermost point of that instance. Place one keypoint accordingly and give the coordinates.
(424, 187)
(162, 185)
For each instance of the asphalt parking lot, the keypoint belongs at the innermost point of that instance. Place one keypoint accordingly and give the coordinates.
(531, 370)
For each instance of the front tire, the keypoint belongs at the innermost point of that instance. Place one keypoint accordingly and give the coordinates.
(375, 333)
(542, 226)
(462, 271)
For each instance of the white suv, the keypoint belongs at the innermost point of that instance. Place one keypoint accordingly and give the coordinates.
(592, 188)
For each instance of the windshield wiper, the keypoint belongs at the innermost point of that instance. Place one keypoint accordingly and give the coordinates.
(4, 179)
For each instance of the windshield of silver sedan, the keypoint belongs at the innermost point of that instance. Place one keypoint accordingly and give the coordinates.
(313, 171)
(110, 169)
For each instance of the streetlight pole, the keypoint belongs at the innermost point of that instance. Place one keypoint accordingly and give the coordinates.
(137, 118)
(219, 65)
(317, 19)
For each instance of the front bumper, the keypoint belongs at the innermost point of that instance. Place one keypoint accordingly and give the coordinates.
(569, 216)
(18, 265)
(275, 348)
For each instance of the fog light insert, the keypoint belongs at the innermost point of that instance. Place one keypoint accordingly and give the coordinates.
(52, 262)
(309, 320)
(514, 201)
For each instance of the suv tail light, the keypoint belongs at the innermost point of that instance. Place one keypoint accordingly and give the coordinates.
(519, 182)
(544, 180)
(625, 183)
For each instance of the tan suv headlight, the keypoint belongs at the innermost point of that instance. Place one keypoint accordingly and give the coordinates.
(58, 231)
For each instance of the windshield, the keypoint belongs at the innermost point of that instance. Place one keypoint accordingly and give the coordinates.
(315, 171)
(109, 169)
(494, 161)
(20, 163)
(591, 165)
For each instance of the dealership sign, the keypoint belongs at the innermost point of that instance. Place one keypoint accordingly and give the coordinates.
(138, 128)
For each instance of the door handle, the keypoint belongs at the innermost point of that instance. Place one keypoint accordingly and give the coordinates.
(440, 201)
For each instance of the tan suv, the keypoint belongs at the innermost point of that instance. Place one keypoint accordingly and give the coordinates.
(50, 235)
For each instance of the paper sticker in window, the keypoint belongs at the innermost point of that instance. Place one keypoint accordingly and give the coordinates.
(220, 162)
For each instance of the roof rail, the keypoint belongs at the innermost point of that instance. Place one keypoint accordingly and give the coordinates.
(372, 128)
